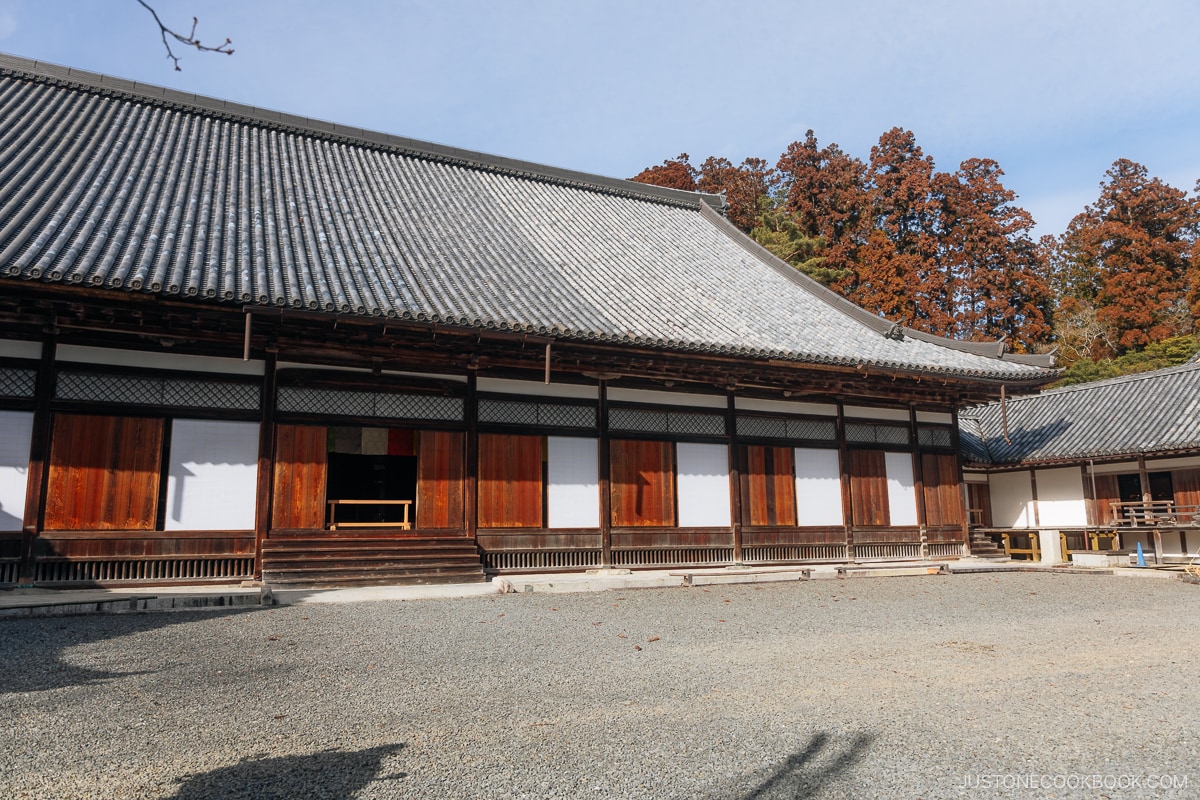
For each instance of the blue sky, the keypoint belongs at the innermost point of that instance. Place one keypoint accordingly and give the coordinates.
(1054, 90)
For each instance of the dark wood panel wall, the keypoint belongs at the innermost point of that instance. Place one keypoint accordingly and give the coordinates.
(300, 476)
(943, 497)
(511, 488)
(768, 480)
(868, 488)
(440, 479)
(642, 483)
(104, 473)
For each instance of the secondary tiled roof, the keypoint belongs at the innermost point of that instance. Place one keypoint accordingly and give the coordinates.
(109, 184)
(1152, 412)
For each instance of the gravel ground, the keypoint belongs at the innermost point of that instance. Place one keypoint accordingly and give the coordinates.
(944, 686)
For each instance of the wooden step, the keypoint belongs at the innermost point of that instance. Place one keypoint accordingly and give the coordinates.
(369, 561)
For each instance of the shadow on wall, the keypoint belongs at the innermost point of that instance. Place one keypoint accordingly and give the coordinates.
(327, 775)
(804, 773)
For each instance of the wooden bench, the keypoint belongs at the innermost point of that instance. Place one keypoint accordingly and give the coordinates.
(403, 524)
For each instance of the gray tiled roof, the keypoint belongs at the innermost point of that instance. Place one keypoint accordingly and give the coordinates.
(108, 184)
(1152, 412)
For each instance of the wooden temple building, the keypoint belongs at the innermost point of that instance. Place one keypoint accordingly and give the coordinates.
(1095, 467)
(236, 343)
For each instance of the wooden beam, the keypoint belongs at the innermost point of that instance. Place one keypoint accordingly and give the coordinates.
(39, 458)
(264, 491)
(605, 468)
(735, 480)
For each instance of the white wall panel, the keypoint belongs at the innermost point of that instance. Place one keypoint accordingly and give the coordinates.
(818, 487)
(784, 406)
(538, 389)
(152, 360)
(702, 472)
(213, 477)
(869, 412)
(1012, 499)
(11, 348)
(573, 495)
(1060, 500)
(902, 489)
(16, 432)
(687, 399)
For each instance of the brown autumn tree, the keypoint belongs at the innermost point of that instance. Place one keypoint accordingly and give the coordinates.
(745, 187)
(824, 192)
(899, 271)
(1130, 255)
(673, 173)
(996, 267)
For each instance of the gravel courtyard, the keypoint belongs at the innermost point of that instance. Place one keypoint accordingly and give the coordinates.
(1003, 685)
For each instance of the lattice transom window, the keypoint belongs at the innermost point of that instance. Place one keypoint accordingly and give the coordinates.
(818, 430)
(534, 413)
(867, 433)
(386, 405)
(935, 437)
(148, 390)
(689, 423)
(17, 382)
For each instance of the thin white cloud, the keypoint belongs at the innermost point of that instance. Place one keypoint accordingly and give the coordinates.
(8, 25)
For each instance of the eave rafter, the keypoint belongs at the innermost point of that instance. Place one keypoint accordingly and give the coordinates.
(89, 316)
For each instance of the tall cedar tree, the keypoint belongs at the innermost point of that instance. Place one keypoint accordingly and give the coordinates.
(1130, 254)
(745, 187)
(999, 270)
(673, 173)
(900, 272)
(825, 194)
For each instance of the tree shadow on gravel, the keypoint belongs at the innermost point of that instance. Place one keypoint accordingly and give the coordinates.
(34, 648)
(327, 775)
(803, 773)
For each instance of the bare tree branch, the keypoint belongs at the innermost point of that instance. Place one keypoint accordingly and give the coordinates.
(190, 40)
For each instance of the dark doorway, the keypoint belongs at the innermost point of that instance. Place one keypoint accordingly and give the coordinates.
(372, 477)
(1130, 487)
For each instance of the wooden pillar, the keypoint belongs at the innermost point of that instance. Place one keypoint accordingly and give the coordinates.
(1144, 479)
(963, 497)
(266, 461)
(1089, 503)
(918, 480)
(471, 499)
(735, 479)
(39, 458)
(847, 500)
(604, 467)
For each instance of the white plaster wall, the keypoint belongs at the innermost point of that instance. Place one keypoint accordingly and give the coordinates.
(213, 477)
(1012, 499)
(16, 432)
(151, 360)
(818, 487)
(573, 494)
(702, 475)
(667, 398)
(538, 389)
(938, 417)
(902, 489)
(784, 406)
(11, 348)
(866, 412)
(1060, 498)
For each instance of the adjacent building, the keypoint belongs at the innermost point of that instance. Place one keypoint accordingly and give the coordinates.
(1119, 456)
